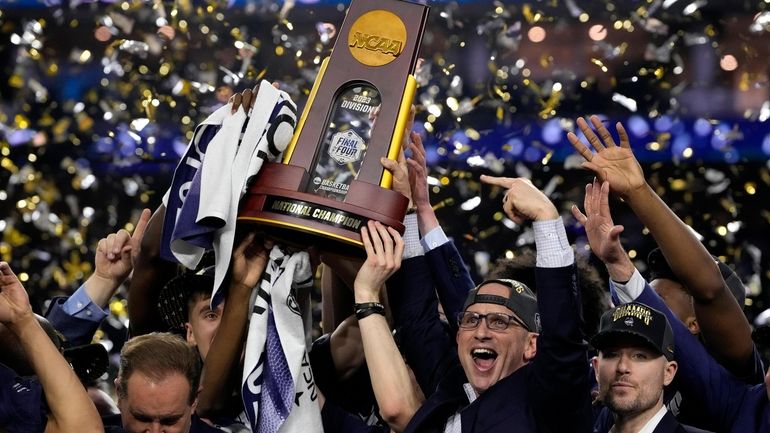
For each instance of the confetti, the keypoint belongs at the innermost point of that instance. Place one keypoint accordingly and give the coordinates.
(97, 108)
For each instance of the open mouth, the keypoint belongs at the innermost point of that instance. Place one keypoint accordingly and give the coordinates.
(484, 358)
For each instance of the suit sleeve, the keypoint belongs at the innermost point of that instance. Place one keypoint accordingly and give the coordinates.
(451, 278)
(335, 419)
(77, 330)
(560, 382)
(700, 377)
(423, 338)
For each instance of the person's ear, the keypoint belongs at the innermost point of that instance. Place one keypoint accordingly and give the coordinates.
(530, 348)
(118, 388)
(692, 325)
(190, 336)
(669, 372)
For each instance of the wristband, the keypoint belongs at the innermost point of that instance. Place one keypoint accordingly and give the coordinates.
(367, 309)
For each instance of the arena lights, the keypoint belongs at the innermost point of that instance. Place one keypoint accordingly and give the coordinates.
(597, 32)
(536, 34)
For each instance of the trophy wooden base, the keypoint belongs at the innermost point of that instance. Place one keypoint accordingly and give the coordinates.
(305, 219)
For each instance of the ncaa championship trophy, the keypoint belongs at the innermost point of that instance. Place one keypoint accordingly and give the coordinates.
(330, 182)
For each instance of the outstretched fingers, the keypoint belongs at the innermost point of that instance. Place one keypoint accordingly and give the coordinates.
(579, 146)
(624, 140)
(416, 145)
(590, 135)
(141, 226)
(604, 201)
(504, 182)
(615, 232)
(6, 271)
(579, 216)
(603, 132)
(588, 200)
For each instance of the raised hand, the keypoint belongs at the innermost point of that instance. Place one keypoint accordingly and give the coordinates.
(400, 174)
(398, 167)
(246, 98)
(613, 163)
(523, 201)
(418, 171)
(384, 248)
(117, 253)
(249, 261)
(603, 234)
(14, 301)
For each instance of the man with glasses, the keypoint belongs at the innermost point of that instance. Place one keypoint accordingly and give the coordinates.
(506, 342)
(516, 366)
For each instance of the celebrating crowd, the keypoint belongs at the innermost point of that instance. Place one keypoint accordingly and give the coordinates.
(543, 345)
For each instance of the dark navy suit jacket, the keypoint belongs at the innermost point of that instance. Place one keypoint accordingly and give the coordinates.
(551, 394)
(77, 331)
(669, 424)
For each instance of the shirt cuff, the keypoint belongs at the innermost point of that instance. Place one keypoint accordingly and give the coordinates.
(629, 291)
(81, 306)
(434, 239)
(412, 246)
(553, 248)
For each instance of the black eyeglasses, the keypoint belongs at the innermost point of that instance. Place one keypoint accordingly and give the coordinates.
(495, 321)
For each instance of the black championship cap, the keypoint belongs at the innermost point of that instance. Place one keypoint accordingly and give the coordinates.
(521, 301)
(636, 320)
(659, 268)
(175, 295)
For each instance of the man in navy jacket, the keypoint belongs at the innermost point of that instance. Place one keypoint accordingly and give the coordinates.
(518, 365)
(726, 402)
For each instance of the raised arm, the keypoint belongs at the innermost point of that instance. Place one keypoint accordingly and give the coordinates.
(451, 277)
(151, 272)
(115, 258)
(221, 370)
(699, 377)
(396, 396)
(723, 325)
(560, 372)
(71, 409)
(603, 235)
(418, 182)
(79, 316)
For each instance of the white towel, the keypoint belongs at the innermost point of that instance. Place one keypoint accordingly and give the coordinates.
(278, 388)
(183, 196)
(208, 204)
(266, 135)
(204, 217)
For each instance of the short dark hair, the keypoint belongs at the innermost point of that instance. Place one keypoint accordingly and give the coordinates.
(593, 289)
(158, 355)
